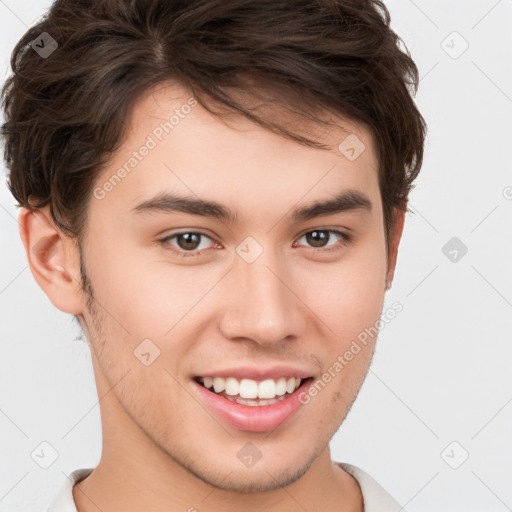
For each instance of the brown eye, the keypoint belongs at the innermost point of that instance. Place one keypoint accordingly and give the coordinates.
(319, 239)
(186, 242)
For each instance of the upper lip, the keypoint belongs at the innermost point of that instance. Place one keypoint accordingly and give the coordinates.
(251, 372)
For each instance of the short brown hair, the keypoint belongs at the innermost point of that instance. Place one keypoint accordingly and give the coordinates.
(65, 114)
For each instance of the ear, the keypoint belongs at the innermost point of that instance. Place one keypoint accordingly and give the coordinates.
(394, 241)
(53, 258)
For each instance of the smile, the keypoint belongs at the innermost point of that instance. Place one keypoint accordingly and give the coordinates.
(251, 405)
(251, 389)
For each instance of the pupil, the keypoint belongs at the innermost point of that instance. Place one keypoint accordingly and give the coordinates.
(190, 238)
(314, 237)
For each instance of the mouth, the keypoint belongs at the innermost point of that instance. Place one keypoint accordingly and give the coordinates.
(252, 405)
(251, 392)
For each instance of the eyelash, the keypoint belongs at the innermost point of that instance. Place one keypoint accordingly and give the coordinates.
(345, 240)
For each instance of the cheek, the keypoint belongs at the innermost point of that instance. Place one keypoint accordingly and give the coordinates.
(348, 295)
(147, 295)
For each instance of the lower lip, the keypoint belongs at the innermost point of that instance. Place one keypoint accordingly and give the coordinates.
(260, 418)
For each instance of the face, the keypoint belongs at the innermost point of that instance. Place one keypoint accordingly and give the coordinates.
(181, 294)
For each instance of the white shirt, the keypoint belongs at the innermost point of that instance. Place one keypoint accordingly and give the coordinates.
(375, 498)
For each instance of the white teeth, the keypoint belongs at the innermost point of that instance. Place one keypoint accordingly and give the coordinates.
(290, 385)
(256, 402)
(249, 388)
(218, 384)
(232, 386)
(281, 386)
(266, 389)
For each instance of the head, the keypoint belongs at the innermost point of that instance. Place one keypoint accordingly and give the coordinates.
(170, 159)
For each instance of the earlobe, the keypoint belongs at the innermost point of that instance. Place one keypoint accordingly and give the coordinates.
(394, 241)
(53, 259)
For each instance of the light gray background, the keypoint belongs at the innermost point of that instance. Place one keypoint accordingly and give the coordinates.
(441, 371)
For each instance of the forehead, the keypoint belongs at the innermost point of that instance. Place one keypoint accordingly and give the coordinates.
(173, 144)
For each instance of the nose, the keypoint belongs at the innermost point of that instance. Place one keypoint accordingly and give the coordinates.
(263, 302)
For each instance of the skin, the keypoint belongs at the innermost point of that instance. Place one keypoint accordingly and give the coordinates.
(162, 448)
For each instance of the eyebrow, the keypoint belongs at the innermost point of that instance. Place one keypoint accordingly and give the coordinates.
(346, 201)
